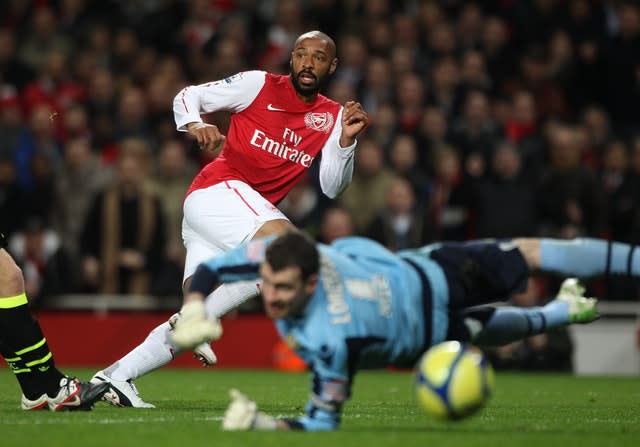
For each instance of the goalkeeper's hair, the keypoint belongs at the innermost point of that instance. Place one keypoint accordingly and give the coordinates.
(294, 249)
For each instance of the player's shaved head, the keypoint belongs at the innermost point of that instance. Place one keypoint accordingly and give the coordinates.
(319, 35)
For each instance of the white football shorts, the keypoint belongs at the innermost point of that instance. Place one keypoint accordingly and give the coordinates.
(221, 217)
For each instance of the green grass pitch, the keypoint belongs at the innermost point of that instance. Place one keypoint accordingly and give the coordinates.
(526, 410)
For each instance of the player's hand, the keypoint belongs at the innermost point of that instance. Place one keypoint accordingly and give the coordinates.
(193, 327)
(354, 120)
(243, 414)
(208, 136)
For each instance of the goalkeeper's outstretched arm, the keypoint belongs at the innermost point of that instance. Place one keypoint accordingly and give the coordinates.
(243, 414)
(331, 388)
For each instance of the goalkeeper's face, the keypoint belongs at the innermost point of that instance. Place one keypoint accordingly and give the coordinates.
(284, 292)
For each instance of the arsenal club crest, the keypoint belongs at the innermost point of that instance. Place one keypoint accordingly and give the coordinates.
(322, 122)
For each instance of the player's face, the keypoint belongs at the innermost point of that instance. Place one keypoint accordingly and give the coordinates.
(285, 293)
(312, 62)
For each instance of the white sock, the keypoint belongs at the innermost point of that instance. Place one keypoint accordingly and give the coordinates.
(229, 296)
(157, 349)
(153, 353)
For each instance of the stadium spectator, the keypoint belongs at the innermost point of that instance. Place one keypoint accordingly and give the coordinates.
(10, 120)
(621, 67)
(169, 179)
(598, 127)
(43, 38)
(384, 125)
(39, 138)
(569, 198)
(13, 72)
(503, 201)
(432, 133)
(368, 189)
(376, 88)
(39, 196)
(475, 131)
(523, 126)
(336, 222)
(623, 212)
(404, 303)
(101, 95)
(410, 98)
(450, 199)
(473, 72)
(54, 86)
(444, 91)
(403, 159)
(77, 180)
(133, 117)
(401, 224)
(124, 234)
(352, 53)
(499, 50)
(23, 345)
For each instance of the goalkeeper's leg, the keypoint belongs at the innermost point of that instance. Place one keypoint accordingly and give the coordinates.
(489, 326)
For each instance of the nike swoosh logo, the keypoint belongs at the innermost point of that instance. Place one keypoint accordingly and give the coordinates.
(274, 109)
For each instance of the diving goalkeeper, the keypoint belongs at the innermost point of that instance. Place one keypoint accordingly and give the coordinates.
(353, 304)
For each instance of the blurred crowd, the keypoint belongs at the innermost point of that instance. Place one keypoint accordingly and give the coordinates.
(488, 119)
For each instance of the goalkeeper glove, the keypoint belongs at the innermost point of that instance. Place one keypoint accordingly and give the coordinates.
(243, 414)
(193, 327)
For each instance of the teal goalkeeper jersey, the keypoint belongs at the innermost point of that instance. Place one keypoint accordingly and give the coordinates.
(371, 309)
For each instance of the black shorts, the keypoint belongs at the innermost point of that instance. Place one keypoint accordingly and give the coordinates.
(481, 272)
(477, 273)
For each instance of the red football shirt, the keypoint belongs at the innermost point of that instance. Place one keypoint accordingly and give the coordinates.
(273, 135)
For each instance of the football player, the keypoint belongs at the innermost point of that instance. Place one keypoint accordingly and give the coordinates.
(354, 304)
(279, 125)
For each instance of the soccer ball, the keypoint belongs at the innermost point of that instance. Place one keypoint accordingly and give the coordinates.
(453, 380)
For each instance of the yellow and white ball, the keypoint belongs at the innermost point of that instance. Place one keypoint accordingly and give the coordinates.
(453, 380)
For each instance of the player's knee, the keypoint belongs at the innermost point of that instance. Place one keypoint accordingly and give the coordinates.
(530, 250)
(274, 227)
(11, 281)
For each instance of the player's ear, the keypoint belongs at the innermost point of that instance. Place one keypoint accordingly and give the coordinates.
(333, 66)
(311, 284)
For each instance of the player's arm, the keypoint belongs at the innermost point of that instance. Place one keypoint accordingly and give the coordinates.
(336, 164)
(238, 264)
(234, 94)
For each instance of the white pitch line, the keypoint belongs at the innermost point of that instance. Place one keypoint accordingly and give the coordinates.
(106, 421)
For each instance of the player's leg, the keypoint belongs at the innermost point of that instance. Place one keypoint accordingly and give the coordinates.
(581, 257)
(250, 216)
(481, 272)
(25, 349)
(491, 326)
(247, 215)
(229, 296)
(239, 215)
